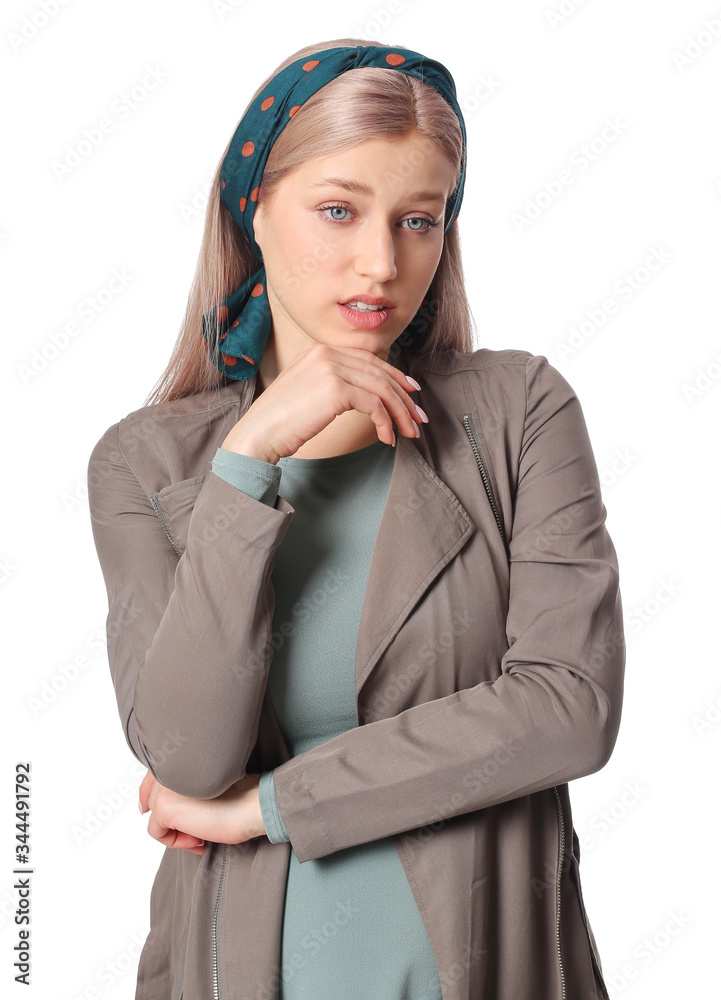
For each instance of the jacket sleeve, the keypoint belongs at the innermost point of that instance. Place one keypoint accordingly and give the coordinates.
(189, 638)
(552, 714)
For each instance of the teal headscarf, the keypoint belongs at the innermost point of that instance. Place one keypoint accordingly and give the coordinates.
(243, 319)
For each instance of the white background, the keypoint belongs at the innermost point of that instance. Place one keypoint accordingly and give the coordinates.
(534, 89)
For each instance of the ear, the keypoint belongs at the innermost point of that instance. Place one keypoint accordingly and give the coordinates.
(258, 221)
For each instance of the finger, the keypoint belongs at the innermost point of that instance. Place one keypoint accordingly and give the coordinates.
(146, 786)
(402, 379)
(394, 406)
(186, 841)
(391, 384)
(158, 831)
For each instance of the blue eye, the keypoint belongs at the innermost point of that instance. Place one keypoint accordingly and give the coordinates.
(344, 208)
(341, 208)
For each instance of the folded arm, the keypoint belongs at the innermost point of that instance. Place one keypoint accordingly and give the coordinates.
(188, 638)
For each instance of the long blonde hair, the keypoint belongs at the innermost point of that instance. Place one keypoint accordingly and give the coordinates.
(364, 103)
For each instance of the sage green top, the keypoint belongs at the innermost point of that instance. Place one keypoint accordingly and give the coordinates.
(351, 926)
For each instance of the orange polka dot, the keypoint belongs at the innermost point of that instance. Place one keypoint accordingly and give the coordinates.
(221, 313)
(249, 359)
(254, 194)
(395, 59)
(224, 335)
(242, 204)
(310, 65)
(248, 148)
(296, 107)
(258, 290)
(222, 183)
(234, 324)
(267, 103)
(229, 359)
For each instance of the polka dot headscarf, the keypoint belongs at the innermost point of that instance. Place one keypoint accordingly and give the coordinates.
(243, 319)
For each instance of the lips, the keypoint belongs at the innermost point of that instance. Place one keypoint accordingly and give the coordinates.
(370, 300)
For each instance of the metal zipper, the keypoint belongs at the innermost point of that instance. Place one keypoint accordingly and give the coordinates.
(159, 512)
(561, 848)
(216, 980)
(483, 469)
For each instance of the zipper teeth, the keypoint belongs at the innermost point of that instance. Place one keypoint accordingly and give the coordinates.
(482, 468)
(216, 913)
(156, 504)
(561, 848)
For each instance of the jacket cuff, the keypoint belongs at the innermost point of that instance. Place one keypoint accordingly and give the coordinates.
(274, 826)
(259, 479)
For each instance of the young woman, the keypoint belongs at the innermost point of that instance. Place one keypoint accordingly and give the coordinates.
(361, 645)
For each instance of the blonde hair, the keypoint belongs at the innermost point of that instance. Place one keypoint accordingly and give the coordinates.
(364, 103)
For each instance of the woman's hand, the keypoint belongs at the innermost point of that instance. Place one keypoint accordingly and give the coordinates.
(315, 387)
(180, 821)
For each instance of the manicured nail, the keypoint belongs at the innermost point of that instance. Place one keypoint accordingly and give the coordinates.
(394, 438)
(413, 381)
(140, 807)
(417, 430)
(421, 414)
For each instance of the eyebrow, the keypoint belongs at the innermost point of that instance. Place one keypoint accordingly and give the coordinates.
(358, 188)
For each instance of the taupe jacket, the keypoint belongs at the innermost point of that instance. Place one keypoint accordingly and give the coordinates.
(489, 673)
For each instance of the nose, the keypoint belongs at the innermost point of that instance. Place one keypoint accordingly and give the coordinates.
(375, 254)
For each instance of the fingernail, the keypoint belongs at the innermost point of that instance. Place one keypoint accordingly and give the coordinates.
(140, 807)
(413, 381)
(421, 414)
(418, 430)
(394, 439)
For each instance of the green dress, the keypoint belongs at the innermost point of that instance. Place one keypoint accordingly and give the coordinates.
(351, 926)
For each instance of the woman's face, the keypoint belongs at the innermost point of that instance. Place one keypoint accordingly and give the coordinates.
(382, 241)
